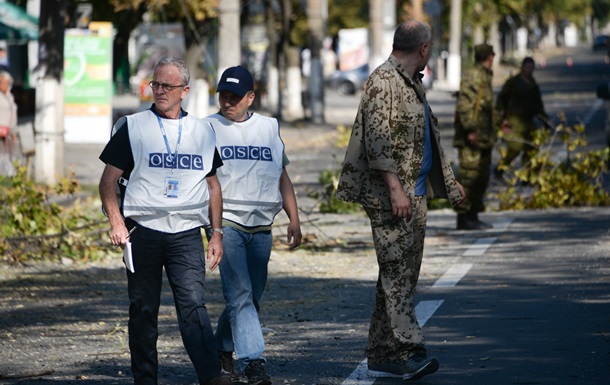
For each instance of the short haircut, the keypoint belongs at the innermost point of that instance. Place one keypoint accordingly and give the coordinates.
(527, 60)
(185, 75)
(410, 35)
(6, 75)
(482, 52)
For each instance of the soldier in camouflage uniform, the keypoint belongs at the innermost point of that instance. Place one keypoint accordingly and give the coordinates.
(393, 162)
(475, 136)
(519, 102)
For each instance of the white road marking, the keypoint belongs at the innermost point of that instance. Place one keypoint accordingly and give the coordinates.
(596, 106)
(480, 247)
(502, 223)
(425, 309)
(359, 376)
(453, 275)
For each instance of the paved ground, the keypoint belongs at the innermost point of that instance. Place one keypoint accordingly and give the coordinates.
(66, 324)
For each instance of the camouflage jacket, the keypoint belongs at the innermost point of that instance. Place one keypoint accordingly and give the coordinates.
(474, 109)
(388, 135)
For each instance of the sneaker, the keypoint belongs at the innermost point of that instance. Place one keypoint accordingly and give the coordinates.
(223, 379)
(414, 368)
(227, 366)
(421, 365)
(257, 373)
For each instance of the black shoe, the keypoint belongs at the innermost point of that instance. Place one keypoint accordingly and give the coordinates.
(257, 373)
(227, 366)
(414, 368)
(466, 222)
(223, 379)
(482, 224)
(421, 365)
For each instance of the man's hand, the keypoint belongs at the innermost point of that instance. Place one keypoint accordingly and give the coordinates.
(294, 236)
(215, 251)
(401, 206)
(505, 127)
(462, 194)
(107, 189)
(473, 138)
(119, 234)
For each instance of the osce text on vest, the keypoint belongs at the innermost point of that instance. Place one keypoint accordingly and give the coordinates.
(185, 161)
(246, 153)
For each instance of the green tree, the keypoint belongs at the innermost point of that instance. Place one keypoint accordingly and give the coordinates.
(601, 11)
(126, 15)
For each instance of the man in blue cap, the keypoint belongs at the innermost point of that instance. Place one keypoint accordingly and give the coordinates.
(255, 187)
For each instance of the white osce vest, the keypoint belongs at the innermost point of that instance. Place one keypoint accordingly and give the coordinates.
(252, 153)
(146, 201)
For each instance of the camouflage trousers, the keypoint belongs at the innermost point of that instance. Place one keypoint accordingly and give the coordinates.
(473, 173)
(399, 244)
(518, 141)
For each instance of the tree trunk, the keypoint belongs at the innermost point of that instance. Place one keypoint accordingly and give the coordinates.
(49, 124)
(317, 28)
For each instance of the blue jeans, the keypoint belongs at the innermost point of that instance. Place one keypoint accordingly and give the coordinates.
(243, 271)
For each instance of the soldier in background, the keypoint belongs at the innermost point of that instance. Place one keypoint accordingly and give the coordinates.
(519, 103)
(475, 136)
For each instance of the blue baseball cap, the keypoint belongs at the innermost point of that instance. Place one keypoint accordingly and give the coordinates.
(237, 80)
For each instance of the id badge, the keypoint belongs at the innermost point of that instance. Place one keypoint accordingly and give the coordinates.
(172, 187)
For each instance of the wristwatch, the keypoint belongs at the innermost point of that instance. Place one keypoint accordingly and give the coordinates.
(217, 230)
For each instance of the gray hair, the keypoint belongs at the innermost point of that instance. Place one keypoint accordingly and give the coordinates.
(185, 75)
(6, 75)
(410, 35)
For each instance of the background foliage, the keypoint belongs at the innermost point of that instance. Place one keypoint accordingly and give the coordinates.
(41, 222)
(571, 180)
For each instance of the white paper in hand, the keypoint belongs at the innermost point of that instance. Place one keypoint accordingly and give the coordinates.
(128, 257)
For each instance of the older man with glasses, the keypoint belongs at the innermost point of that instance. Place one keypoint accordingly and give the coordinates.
(170, 161)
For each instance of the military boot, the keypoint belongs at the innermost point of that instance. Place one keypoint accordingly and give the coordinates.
(483, 225)
(468, 222)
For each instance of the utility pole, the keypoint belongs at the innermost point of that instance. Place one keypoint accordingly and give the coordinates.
(376, 56)
(454, 61)
(49, 120)
(291, 102)
(418, 9)
(274, 71)
(382, 24)
(317, 14)
(229, 35)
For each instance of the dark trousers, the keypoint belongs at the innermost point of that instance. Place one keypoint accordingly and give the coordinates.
(183, 257)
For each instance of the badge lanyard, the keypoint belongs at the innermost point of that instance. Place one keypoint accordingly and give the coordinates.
(174, 158)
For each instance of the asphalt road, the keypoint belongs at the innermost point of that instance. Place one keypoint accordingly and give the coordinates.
(525, 303)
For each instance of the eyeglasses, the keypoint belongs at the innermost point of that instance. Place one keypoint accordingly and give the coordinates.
(166, 87)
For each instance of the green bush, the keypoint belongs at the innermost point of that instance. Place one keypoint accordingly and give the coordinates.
(548, 183)
(47, 223)
(327, 198)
